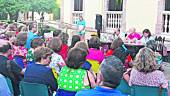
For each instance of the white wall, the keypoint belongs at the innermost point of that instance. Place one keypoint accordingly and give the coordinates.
(141, 14)
(91, 8)
(66, 11)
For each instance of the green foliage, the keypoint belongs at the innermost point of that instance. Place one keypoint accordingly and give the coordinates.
(42, 5)
(12, 7)
(119, 1)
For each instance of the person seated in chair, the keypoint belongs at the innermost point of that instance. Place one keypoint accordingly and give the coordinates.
(109, 77)
(72, 77)
(144, 71)
(133, 36)
(39, 72)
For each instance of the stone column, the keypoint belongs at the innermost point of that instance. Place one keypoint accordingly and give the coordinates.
(159, 23)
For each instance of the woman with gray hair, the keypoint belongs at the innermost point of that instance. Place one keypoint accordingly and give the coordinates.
(144, 71)
(109, 77)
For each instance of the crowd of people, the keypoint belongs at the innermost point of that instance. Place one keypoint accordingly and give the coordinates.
(79, 69)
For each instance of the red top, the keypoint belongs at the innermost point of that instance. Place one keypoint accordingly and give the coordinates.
(109, 52)
(63, 52)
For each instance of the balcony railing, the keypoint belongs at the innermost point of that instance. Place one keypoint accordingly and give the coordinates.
(113, 19)
(76, 15)
(166, 22)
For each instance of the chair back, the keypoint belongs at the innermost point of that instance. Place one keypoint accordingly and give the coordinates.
(33, 89)
(160, 44)
(9, 85)
(148, 91)
(124, 87)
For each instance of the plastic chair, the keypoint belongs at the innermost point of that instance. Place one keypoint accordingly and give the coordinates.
(148, 91)
(33, 89)
(124, 87)
(9, 85)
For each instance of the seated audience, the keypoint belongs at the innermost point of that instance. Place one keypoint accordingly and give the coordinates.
(108, 78)
(64, 47)
(8, 67)
(83, 45)
(4, 89)
(35, 43)
(75, 39)
(72, 77)
(31, 35)
(20, 51)
(40, 72)
(95, 56)
(144, 71)
(146, 36)
(119, 50)
(152, 45)
(57, 61)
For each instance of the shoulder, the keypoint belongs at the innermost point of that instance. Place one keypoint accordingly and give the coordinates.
(159, 73)
(90, 92)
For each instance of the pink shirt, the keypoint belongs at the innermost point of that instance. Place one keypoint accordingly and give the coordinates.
(155, 78)
(132, 36)
(95, 54)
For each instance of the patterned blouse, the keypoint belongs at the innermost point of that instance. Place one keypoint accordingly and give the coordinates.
(30, 55)
(72, 79)
(56, 62)
(155, 78)
(20, 51)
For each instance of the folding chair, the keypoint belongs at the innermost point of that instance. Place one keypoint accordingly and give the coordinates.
(148, 91)
(33, 89)
(124, 87)
(9, 85)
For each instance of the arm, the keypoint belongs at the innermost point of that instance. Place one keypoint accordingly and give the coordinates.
(91, 79)
(51, 81)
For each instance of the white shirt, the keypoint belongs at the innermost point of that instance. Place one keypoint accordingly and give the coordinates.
(144, 40)
(56, 62)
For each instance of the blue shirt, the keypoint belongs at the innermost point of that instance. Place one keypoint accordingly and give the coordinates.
(81, 25)
(30, 37)
(4, 89)
(100, 91)
(37, 73)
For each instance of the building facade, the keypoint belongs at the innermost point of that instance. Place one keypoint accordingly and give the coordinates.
(141, 14)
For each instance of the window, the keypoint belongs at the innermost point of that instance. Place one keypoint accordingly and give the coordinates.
(78, 5)
(114, 6)
(167, 5)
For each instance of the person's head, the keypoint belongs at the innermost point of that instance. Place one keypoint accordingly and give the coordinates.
(82, 45)
(56, 33)
(55, 44)
(146, 33)
(5, 47)
(94, 42)
(75, 39)
(145, 60)
(151, 44)
(76, 58)
(116, 43)
(80, 18)
(43, 55)
(33, 28)
(111, 72)
(117, 31)
(37, 42)
(21, 39)
(10, 34)
(132, 30)
(64, 37)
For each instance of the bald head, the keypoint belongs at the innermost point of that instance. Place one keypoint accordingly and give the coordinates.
(132, 30)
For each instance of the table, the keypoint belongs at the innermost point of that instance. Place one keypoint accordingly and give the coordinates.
(134, 48)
